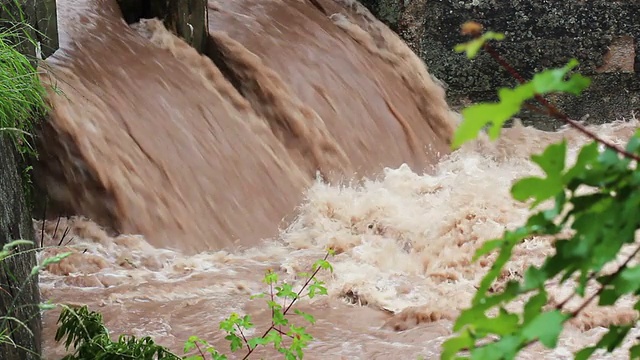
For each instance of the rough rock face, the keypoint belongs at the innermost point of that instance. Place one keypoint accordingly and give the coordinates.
(603, 35)
(17, 298)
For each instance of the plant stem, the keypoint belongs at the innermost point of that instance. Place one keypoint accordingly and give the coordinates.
(284, 313)
(243, 337)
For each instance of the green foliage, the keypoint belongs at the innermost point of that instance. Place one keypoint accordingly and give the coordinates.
(280, 300)
(472, 47)
(596, 199)
(90, 338)
(494, 115)
(23, 96)
(85, 331)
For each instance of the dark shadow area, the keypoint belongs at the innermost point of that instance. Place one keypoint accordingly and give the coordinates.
(134, 10)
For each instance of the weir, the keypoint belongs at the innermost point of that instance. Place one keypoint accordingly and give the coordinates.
(151, 137)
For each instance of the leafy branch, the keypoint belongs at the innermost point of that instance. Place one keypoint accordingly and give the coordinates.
(86, 332)
(602, 222)
(481, 40)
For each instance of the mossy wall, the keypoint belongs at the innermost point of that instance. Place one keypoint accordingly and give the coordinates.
(603, 35)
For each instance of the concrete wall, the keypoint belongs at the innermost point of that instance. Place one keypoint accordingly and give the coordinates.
(17, 298)
(603, 35)
(20, 298)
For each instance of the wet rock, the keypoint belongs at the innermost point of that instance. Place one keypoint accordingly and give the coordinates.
(603, 35)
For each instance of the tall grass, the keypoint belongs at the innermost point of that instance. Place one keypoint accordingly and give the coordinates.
(22, 96)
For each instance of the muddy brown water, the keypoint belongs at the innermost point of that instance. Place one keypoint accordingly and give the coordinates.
(314, 127)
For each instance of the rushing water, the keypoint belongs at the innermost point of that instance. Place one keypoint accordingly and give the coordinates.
(154, 139)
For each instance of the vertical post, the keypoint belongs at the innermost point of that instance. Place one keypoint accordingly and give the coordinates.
(185, 18)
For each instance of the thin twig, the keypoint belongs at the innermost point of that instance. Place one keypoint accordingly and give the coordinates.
(305, 285)
(200, 350)
(606, 282)
(243, 337)
(272, 327)
(603, 285)
(55, 231)
(44, 222)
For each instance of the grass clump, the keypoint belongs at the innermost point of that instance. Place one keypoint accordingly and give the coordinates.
(22, 94)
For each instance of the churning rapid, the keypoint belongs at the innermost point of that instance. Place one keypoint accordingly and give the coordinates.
(313, 112)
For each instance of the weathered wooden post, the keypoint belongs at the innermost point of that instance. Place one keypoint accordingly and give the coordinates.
(41, 19)
(19, 294)
(185, 18)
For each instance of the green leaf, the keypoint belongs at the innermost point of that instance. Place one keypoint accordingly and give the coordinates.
(235, 342)
(472, 47)
(270, 277)
(323, 264)
(286, 291)
(609, 341)
(585, 353)
(533, 307)
(48, 261)
(628, 280)
(254, 342)
(279, 319)
(486, 248)
(553, 80)
(306, 316)
(552, 161)
(494, 115)
(537, 188)
(317, 288)
(453, 345)
(546, 327)
(505, 348)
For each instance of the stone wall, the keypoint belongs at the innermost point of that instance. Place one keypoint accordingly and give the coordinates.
(603, 35)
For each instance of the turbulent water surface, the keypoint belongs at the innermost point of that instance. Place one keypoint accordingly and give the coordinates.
(308, 104)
